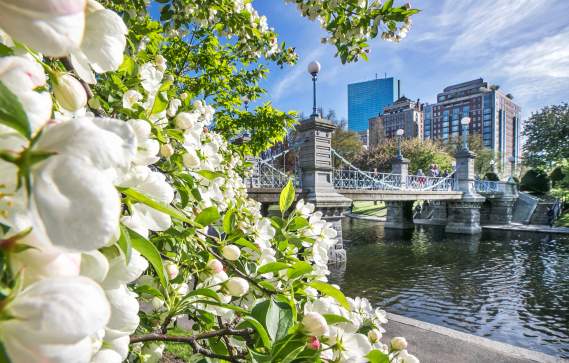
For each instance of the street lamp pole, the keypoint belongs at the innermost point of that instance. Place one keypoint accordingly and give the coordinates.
(465, 121)
(399, 134)
(512, 161)
(245, 100)
(314, 69)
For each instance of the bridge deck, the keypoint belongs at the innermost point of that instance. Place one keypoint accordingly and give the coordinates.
(395, 195)
(271, 195)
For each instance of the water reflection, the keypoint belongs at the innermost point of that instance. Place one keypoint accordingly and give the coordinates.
(509, 286)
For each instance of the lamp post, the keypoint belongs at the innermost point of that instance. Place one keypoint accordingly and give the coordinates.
(465, 121)
(512, 161)
(245, 100)
(314, 69)
(493, 165)
(399, 134)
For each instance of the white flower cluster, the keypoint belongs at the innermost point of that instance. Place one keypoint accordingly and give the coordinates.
(58, 198)
(64, 222)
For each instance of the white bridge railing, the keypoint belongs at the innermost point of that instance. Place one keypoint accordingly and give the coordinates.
(264, 175)
(357, 179)
(487, 186)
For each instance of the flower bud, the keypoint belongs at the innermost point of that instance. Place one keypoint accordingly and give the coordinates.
(237, 286)
(398, 343)
(183, 96)
(313, 343)
(172, 270)
(181, 289)
(374, 335)
(191, 160)
(314, 324)
(157, 303)
(185, 120)
(166, 150)
(215, 266)
(160, 62)
(231, 252)
(69, 92)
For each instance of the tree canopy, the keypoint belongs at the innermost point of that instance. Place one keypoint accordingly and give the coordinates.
(546, 135)
(421, 155)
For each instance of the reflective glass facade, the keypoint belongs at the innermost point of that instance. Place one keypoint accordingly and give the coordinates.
(367, 100)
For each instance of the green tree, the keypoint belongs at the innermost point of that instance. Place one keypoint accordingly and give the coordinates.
(421, 155)
(546, 134)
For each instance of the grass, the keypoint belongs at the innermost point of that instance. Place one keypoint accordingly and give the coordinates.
(370, 209)
(563, 220)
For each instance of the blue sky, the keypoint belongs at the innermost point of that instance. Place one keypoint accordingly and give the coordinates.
(522, 45)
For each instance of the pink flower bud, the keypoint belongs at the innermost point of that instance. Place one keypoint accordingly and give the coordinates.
(313, 343)
(215, 266)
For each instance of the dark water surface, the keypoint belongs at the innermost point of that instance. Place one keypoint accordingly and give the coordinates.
(508, 286)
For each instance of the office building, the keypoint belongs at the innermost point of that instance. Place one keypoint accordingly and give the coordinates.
(402, 114)
(493, 113)
(368, 99)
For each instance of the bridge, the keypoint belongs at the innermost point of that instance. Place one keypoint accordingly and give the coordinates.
(324, 177)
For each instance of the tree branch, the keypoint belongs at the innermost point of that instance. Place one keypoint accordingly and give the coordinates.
(193, 341)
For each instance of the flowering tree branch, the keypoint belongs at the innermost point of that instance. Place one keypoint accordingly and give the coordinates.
(193, 341)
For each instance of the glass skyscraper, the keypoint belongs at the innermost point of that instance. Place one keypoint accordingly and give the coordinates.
(367, 99)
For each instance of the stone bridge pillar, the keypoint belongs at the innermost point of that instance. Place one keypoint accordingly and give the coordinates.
(399, 214)
(464, 214)
(502, 207)
(400, 166)
(315, 158)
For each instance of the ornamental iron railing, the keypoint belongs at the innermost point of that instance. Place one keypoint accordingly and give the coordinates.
(486, 186)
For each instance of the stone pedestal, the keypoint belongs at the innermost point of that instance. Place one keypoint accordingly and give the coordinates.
(437, 215)
(464, 215)
(399, 215)
(501, 210)
(315, 159)
(400, 166)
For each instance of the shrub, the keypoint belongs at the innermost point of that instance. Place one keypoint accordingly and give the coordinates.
(491, 176)
(557, 176)
(536, 181)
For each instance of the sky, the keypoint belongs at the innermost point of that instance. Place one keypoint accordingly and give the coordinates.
(521, 45)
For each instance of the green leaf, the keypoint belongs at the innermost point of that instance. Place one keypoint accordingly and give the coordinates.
(287, 197)
(223, 305)
(229, 221)
(276, 317)
(159, 206)
(299, 269)
(5, 51)
(3, 354)
(387, 5)
(208, 216)
(335, 319)
(297, 223)
(160, 103)
(210, 175)
(145, 289)
(272, 267)
(125, 243)
(260, 330)
(377, 356)
(150, 252)
(244, 243)
(12, 112)
(205, 292)
(330, 290)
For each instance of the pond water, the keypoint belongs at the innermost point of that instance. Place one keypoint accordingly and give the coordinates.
(508, 286)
